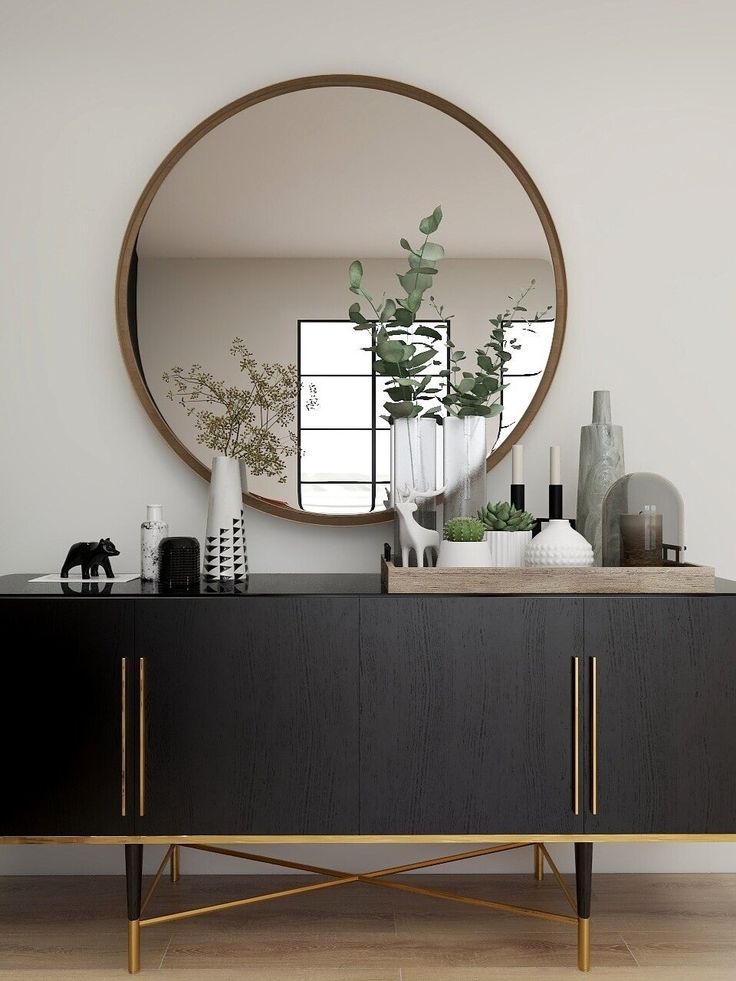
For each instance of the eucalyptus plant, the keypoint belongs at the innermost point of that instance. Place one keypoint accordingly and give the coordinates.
(477, 393)
(391, 321)
(255, 423)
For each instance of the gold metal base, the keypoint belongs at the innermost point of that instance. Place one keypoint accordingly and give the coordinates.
(538, 863)
(583, 944)
(336, 878)
(134, 946)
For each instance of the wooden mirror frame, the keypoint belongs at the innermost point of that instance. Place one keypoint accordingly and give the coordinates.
(125, 299)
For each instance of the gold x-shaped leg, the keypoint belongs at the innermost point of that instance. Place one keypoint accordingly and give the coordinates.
(379, 877)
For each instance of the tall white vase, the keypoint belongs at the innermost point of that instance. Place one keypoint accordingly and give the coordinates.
(414, 468)
(465, 466)
(225, 557)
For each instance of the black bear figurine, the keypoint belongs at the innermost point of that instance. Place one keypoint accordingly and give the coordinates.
(91, 556)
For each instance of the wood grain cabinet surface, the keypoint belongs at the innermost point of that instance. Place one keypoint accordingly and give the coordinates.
(61, 723)
(251, 716)
(666, 714)
(361, 714)
(467, 715)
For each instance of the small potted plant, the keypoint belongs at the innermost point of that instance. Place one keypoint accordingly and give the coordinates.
(508, 532)
(464, 545)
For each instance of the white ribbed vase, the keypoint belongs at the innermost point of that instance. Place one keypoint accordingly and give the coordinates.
(225, 558)
(508, 548)
(558, 545)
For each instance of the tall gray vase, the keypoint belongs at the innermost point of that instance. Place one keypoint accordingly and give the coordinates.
(601, 464)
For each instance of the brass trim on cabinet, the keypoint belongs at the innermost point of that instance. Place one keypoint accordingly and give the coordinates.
(123, 738)
(142, 738)
(576, 735)
(447, 839)
(594, 735)
(353, 839)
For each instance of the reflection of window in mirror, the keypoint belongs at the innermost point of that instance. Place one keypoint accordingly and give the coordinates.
(344, 467)
(525, 370)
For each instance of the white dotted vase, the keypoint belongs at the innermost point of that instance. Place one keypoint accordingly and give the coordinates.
(225, 558)
(558, 545)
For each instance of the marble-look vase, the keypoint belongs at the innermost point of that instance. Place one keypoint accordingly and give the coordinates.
(225, 558)
(601, 465)
(153, 531)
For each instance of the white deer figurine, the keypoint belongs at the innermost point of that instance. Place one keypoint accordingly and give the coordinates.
(411, 534)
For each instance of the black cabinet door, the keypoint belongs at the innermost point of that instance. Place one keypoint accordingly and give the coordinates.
(665, 714)
(250, 715)
(468, 715)
(61, 724)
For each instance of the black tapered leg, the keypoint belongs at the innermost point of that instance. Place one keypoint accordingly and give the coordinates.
(133, 879)
(583, 883)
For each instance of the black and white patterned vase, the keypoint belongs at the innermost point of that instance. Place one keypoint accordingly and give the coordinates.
(225, 557)
(153, 531)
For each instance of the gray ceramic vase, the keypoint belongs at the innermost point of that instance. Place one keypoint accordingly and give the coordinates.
(601, 465)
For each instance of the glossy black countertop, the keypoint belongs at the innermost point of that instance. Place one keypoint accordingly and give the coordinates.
(259, 584)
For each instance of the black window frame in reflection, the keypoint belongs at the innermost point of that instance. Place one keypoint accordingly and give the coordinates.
(373, 483)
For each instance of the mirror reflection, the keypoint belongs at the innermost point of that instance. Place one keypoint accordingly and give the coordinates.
(245, 253)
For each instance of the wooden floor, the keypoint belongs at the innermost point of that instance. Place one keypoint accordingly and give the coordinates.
(644, 928)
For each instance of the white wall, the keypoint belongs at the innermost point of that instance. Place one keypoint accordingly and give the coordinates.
(621, 109)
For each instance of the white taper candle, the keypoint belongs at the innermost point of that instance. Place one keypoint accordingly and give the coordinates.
(517, 464)
(554, 465)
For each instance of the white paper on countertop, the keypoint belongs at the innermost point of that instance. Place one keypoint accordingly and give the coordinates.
(122, 577)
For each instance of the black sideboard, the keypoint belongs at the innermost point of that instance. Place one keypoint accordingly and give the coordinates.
(313, 708)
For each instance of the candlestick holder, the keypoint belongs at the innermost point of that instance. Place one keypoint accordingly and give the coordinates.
(555, 501)
(517, 495)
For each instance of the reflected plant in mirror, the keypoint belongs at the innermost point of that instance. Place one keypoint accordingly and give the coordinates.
(254, 423)
(479, 393)
(402, 351)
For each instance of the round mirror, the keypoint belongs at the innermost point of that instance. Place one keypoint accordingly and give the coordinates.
(235, 274)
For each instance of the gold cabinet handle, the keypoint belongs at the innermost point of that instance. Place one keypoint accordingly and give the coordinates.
(123, 738)
(594, 735)
(576, 735)
(142, 737)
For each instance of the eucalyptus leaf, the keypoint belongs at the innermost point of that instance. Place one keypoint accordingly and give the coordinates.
(355, 273)
(423, 331)
(433, 252)
(420, 359)
(394, 352)
(430, 224)
(388, 310)
(400, 410)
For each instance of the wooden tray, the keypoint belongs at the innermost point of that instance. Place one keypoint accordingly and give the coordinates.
(572, 579)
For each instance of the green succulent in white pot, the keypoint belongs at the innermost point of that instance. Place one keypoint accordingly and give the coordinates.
(508, 533)
(463, 545)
